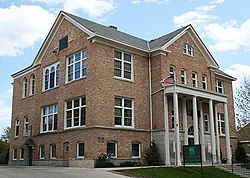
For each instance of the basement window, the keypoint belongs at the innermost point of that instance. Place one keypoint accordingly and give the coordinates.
(63, 43)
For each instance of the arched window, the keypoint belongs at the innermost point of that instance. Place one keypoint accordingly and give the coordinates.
(52, 77)
(32, 84)
(46, 79)
(24, 92)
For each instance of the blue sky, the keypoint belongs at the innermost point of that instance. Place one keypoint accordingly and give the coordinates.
(223, 25)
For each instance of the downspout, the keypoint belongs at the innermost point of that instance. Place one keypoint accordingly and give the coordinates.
(150, 95)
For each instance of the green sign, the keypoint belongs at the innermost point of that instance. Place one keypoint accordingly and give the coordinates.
(192, 153)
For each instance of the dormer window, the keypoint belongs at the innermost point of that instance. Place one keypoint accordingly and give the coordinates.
(63, 43)
(187, 49)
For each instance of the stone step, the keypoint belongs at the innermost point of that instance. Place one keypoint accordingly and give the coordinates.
(237, 170)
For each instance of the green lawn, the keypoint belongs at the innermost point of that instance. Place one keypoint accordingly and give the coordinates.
(179, 172)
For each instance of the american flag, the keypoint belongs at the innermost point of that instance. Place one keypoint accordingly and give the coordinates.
(168, 80)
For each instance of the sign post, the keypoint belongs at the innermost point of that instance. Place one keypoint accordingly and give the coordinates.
(192, 154)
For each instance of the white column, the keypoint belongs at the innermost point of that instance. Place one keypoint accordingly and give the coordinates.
(167, 156)
(217, 133)
(229, 154)
(212, 134)
(195, 121)
(202, 139)
(184, 114)
(176, 130)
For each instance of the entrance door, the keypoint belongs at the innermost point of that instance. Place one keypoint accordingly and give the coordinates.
(30, 155)
(190, 141)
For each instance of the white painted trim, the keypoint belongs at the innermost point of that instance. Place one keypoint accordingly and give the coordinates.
(139, 150)
(20, 153)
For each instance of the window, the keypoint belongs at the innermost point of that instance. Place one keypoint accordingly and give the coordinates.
(136, 153)
(206, 123)
(80, 150)
(112, 149)
(183, 76)
(187, 49)
(63, 43)
(53, 151)
(204, 82)
(14, 154)
(32, 84)
(221, 124)
(26, 127)
(123, 112)
(172, 119)
(21, 153)
(123, 66)
(219, 86)
(76, 112)
(77, 66)
(24, 91)
(42, 151)
(194, 79)
(49, 118)
(172, 71)
(51, 76)
(17, 128)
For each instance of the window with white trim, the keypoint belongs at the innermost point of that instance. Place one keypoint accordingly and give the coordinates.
(219, 86)
(221, 124)
(136, 150)
(194, 79)
(75, 112)
(172, 71)
(17, 128)
(183, 76)
(41, 151)
(51, 76)
(204, 82)
(32, 84)
(14, 154)
(172, 119)
(77, 66)
(26, 127)
(80, 149)
(21, 153)
(206, 122)
(24, 89)
(123, 65)
(49, 118)
(187, 49)
(52, 151)
(124, 112)
(112, 149)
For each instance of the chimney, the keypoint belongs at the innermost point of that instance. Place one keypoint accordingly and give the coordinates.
(113, 27)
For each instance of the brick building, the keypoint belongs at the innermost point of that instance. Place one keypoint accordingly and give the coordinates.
(92, 89)
(244, 137)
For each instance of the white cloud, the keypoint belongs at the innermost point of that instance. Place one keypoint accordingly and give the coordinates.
(5, 109)
(21, 27)
(238, 71)
(151, 1)
(136, 2)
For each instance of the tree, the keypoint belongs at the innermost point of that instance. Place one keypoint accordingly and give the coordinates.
(242, 103)
(6, 135)
(153, 156)
(240, 154)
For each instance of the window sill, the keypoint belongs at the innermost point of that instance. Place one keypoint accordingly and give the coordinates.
(42, 158)
(76, 127)
(80, 157)
(44, 132)
(188, 55)
(125, 80)
(16, 137)
(72, 81)
(133, 157)
(125, 127)
(51, 89)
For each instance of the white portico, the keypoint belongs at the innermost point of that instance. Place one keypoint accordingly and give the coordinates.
(180, 94)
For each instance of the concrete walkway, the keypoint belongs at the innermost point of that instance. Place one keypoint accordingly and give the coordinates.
(237, 170)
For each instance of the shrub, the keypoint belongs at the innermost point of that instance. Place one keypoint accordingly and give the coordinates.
(103, 160)
(129, 164)
(240, 154)
(153, 156)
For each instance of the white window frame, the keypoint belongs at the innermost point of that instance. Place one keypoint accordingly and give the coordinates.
(32, 85)
(220, 121)
(56, 82)
(123, 62)
(206, 122)
(17, 125)
(172, 70)
(183, 76)
(204, 82)
(40, 151)
(21, 156)
(45, 115)
(139, 150)
(82, 104)
(123, 108)
(194, 79)
(187, 49)
(24, 87)
(79, 150)
(113, 142)
(14, 154)
(219, 89)
(83, 66)
(51, 151)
